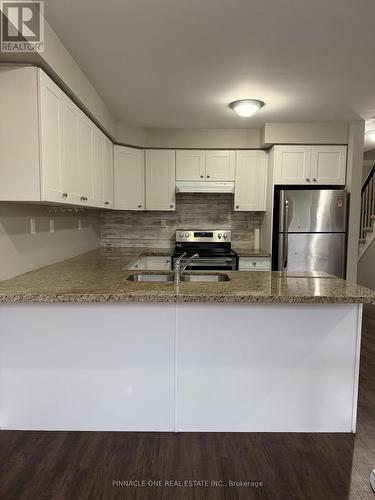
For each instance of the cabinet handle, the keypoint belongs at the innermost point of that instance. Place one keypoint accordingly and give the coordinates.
(308, 180)
(208, 176)
(65, 195)
(315, 180)
(237, 206)
(106, 203)
(139, 206)
(171, 206)
(202, 176)
(83, 198)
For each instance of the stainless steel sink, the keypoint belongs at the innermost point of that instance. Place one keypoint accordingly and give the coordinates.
(161, 278)
(207, 278)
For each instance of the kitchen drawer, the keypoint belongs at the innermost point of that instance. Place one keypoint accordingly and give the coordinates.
(254, 264)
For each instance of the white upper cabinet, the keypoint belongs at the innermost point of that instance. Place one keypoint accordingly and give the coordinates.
(292, 164)
(190, 165)
(250, 182)
(51, 105)
(310, 165)
(328, 165)
(85, 160)
(129, 178)
(220, 165)
(160, 179)
(108, 173)
(71, 179)
(64, 157)
(98, 168)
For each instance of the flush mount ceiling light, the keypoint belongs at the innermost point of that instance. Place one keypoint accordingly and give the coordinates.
(246, 107)
(371, 135)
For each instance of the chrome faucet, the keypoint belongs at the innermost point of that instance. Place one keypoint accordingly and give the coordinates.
(180, 269)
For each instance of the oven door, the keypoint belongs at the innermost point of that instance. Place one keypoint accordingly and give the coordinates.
(211, 264)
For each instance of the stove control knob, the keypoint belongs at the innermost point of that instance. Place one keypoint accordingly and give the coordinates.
(225, 236)
(219, 236)
(186, 235)
(181, 235)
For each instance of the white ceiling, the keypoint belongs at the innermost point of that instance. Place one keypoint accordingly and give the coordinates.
(178, 63)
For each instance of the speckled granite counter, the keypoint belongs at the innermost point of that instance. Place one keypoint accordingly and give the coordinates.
(101, 276)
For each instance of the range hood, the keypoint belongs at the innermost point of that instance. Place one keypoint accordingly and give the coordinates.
(204, 187)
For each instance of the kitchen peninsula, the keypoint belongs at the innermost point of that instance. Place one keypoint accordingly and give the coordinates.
(84, 348)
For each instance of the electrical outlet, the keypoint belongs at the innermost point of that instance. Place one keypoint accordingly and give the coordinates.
(51, 225)
(163, 223)
(32, 226)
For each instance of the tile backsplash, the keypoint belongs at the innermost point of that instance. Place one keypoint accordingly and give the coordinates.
(193, 211)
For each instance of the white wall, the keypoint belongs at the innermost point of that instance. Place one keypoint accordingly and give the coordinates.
(130, 135)
(203, 138)
(21, 251)
(366, 268)
(304, 133)
(353, 185)
(61, 66)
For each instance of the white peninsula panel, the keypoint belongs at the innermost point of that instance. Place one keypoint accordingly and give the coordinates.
(267, 367)
(92, 367)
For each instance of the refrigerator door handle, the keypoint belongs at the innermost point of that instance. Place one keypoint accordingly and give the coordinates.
(286, 221)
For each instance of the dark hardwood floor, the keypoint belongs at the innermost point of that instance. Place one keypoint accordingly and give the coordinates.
(83, 465)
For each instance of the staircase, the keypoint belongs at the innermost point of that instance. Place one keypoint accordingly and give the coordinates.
(367, 225)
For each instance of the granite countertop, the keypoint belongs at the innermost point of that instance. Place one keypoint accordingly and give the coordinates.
(101, 276)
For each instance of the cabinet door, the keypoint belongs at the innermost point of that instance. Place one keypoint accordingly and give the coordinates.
(293, 165)
(250, 183)
(156, 263)
(220, 165)
(129, 179)
(98, 168)
(254, 264)
(85, 155)
(108, 173)
(190, 165)
(328, 165)
(70, 133)
(51, 123)
(160, 179)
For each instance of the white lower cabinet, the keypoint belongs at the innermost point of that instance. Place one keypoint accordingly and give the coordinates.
(160, 179)
(254, 264)
(250, 182)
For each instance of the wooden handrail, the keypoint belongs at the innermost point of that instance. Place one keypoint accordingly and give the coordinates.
(368, 179)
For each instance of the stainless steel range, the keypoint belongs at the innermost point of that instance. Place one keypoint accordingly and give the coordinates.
(213, 249)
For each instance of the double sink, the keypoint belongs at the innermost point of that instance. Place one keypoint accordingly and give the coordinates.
(165, 278)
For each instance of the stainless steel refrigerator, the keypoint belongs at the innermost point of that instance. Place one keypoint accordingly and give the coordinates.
(311, 230)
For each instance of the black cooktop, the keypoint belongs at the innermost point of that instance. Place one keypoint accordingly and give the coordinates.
(205, 250)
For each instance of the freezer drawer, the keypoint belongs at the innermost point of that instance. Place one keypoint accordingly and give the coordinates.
(313, 252)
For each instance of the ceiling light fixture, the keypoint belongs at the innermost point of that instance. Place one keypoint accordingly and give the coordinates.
(246, 107)
(371, 135)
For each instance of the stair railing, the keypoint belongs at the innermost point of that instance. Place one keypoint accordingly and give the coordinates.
(367, 203)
